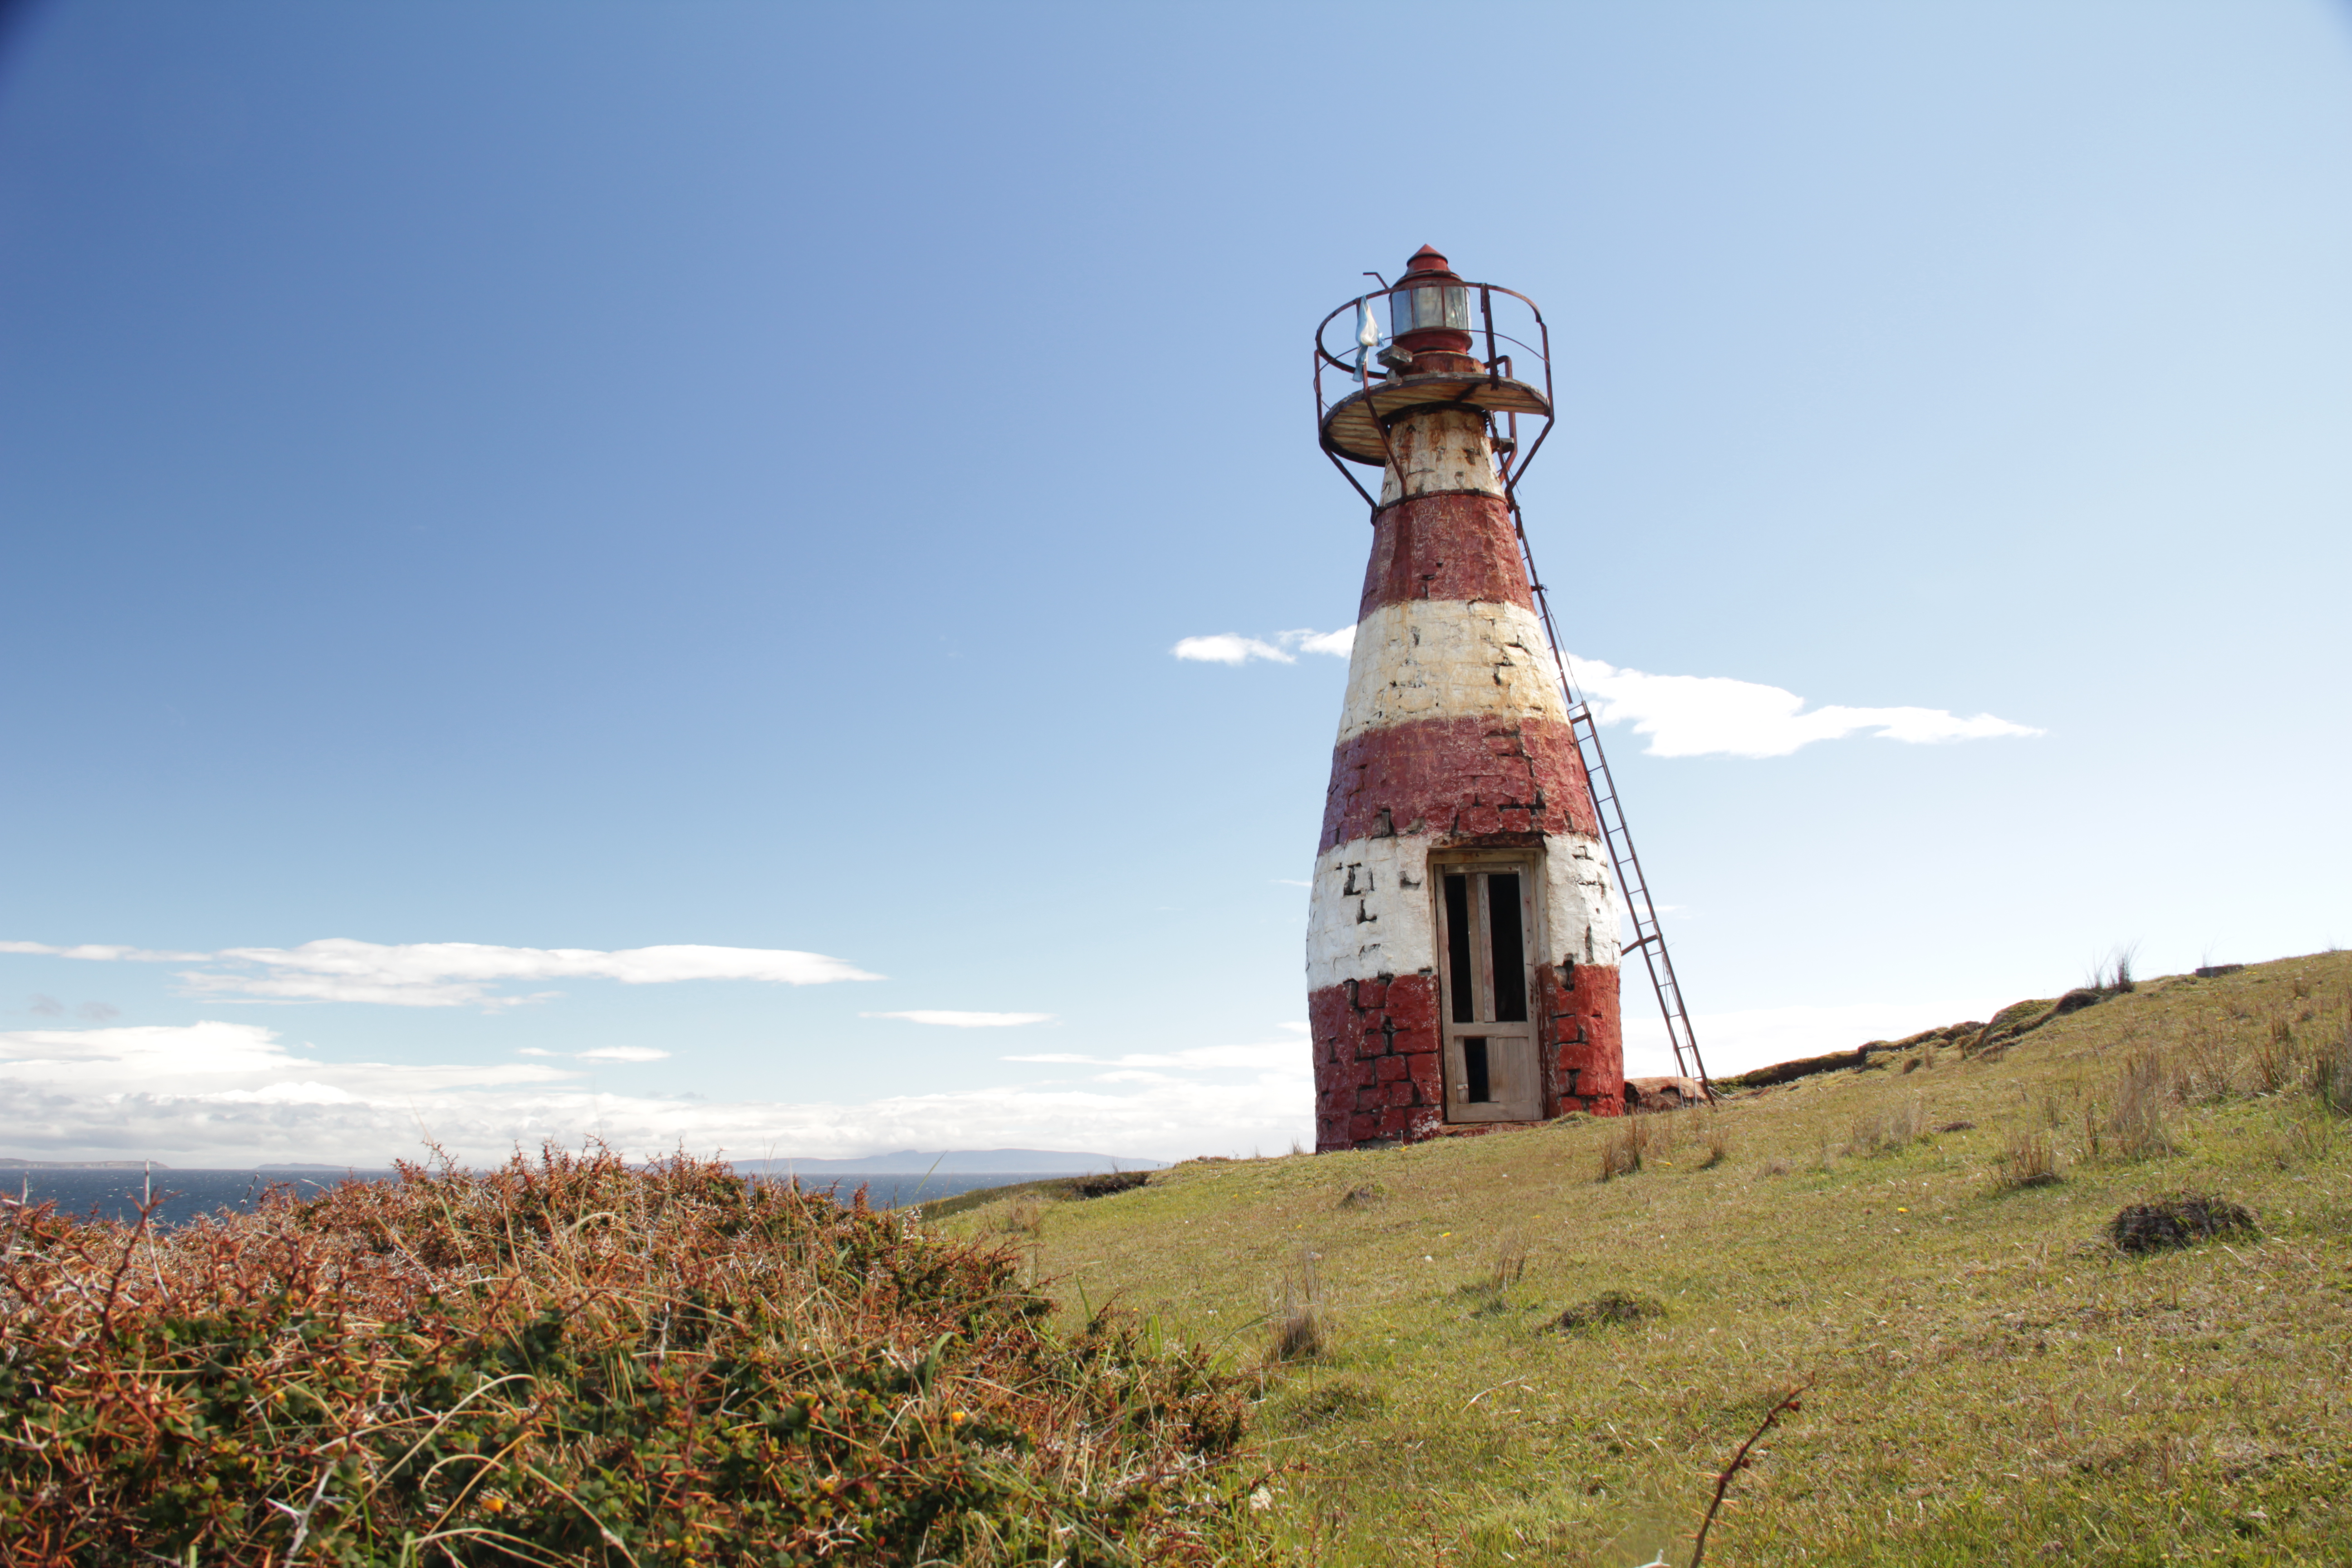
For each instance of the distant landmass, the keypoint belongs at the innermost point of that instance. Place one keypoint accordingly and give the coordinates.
(904, 1163)
(15, 1164)
(957, 1162)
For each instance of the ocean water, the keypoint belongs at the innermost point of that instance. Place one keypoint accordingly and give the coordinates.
(115, 1193)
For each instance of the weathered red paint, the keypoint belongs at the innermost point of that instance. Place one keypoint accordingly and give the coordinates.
(1378, 1073)
(1459, 779)
(1457, 544)
(1376, 1069)
(1584, 1038)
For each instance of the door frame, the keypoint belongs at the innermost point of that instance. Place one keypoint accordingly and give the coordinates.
(1520, 1056)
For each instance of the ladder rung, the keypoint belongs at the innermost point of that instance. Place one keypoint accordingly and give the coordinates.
(1602, 789)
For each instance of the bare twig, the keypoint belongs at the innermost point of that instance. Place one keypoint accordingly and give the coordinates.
(147, 1207)
(1788, 1401)
(302, 1519)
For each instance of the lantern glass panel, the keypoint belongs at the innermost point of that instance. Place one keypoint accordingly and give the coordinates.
(1418, 309)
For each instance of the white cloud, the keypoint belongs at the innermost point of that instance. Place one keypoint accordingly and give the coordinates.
(1339, 644)
(1271, 1056)
(1231, 647)
(1683, 715)
(1228, 647)
(600, 1054)
(100, 952)
(230, 1094)
(953, 1020)
(455, 973)
(1714, 715)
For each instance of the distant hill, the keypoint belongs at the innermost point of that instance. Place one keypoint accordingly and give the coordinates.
(957, 1162)
(15, 1164)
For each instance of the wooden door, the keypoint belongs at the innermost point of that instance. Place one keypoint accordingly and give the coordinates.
(1487, 938)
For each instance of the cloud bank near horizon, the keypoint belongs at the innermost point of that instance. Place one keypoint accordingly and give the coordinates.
(450, 974)
(235, 1094)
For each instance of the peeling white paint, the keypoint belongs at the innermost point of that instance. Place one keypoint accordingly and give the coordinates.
(1439, 450)
(1371, 912)
(1448, 659)
(1579, 912)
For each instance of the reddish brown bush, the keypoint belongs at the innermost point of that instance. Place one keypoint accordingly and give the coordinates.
(576, 1362)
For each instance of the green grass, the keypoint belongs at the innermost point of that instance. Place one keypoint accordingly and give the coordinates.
(1992, 1382)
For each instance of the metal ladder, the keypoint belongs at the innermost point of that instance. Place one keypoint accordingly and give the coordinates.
(1647, 936)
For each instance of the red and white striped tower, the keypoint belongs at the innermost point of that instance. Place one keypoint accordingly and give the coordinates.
(1462, 945)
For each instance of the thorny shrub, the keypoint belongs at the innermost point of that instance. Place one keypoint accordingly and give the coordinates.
(573, 1361)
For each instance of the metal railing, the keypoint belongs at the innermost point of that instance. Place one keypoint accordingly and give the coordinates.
(1355, 365)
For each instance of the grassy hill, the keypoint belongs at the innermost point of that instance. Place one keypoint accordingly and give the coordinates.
(1922, 1239)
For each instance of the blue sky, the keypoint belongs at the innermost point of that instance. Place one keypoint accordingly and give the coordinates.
(591, 478)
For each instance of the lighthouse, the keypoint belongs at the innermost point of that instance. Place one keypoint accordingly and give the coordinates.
(1461, 949)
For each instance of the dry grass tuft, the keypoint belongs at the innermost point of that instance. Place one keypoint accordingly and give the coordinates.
(1888, 1129)
(1302, 1329)
(2030, 1159)
(1718, 1140)
(1625, 1146)
(2134, 1124)
(1510, 1264)
(2329, 1075)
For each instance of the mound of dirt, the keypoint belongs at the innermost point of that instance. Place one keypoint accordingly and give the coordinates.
(1110, 1181)
(2181, 1221)
(1608, 1309)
